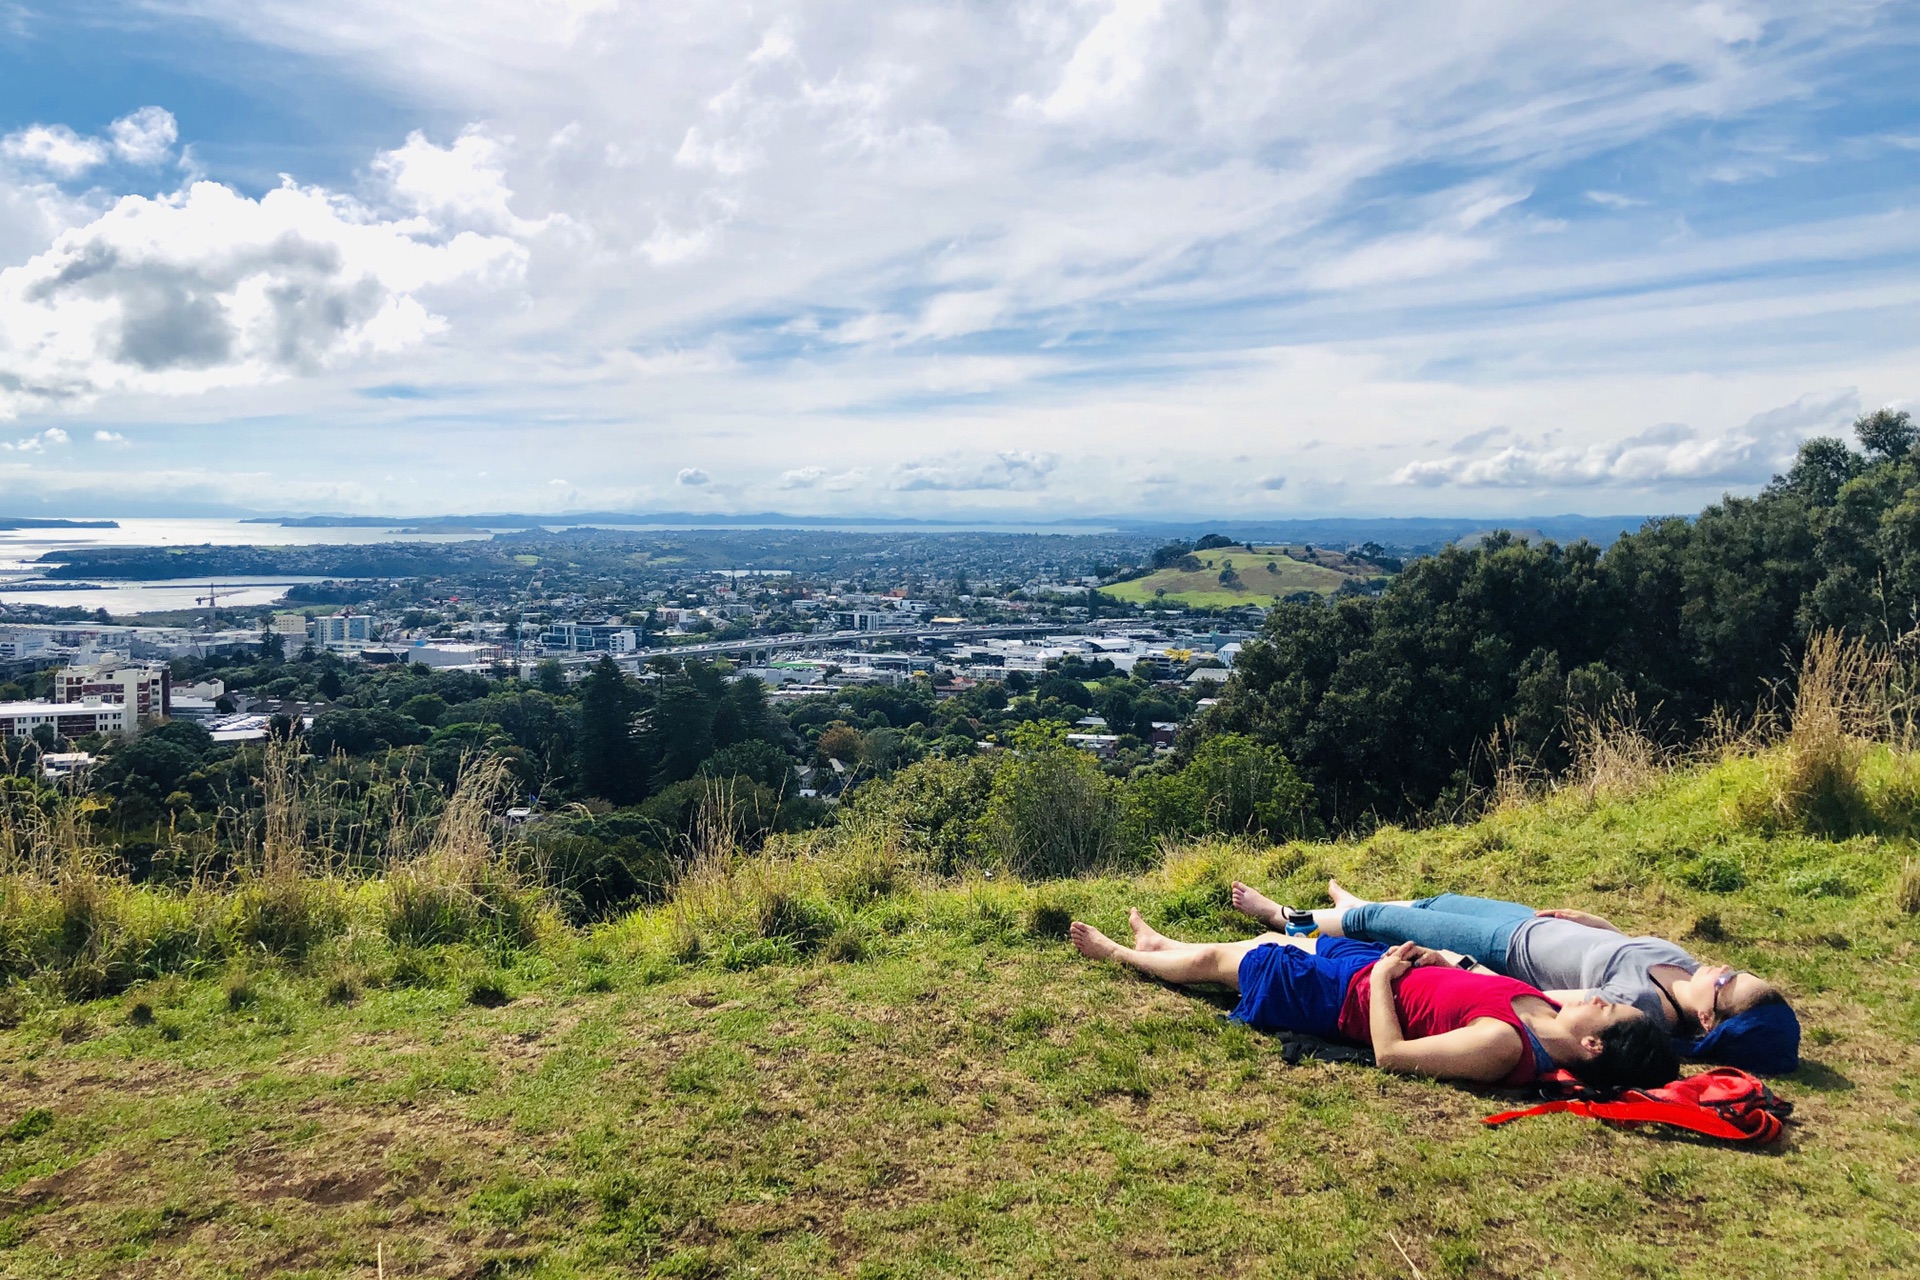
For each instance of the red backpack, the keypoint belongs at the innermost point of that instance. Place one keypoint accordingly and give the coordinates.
(1724, 1102)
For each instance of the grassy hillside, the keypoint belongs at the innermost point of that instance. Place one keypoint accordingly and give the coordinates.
(821, 1063)
(1264, 572)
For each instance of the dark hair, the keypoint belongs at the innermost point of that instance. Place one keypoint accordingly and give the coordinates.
(1634, 1054)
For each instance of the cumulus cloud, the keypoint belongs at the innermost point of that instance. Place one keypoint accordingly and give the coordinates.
(462, 186)
(1013, 469)
(55, 148)
(692, 476)
(36, 443)
(109, 437)
(1665, 454)
(822, 478)
(209, 288)
(146, 137)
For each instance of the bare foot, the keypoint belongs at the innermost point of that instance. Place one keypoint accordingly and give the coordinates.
(1145, 936)
(1341, 898)
(1252, 902)
(1092, 943)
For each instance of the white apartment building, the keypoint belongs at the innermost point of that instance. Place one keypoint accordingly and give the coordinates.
(343, 631)
(69, 720)
(145, 690)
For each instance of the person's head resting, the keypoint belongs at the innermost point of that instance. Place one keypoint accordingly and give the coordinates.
(1615, 1046)
(1714, 993)
(1763, 1037)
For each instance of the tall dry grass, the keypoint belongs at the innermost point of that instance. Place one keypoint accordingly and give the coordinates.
(1840, 708)
(278, 892)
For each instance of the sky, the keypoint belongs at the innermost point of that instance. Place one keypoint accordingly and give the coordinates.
(975, 259)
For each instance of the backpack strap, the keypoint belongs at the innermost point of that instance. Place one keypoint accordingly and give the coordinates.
(1639, 1108)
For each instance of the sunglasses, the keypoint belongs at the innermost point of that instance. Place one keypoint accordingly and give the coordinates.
(1713, 1001)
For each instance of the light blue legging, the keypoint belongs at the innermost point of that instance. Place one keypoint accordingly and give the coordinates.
(1479, 927)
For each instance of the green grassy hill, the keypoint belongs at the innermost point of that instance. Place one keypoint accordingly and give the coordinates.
(822, 1064)
(1264, 573)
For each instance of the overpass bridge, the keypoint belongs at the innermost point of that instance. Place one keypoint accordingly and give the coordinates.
(760, 649)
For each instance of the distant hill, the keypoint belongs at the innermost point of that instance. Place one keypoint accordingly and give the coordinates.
(1234, 575)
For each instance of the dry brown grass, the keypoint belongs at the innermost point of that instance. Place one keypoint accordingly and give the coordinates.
(1613, 754)
(1840, 706)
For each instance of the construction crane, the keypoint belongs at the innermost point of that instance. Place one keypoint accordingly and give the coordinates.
(212, 601)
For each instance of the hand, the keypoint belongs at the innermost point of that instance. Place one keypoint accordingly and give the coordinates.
(1389, 967)
(1578, 917)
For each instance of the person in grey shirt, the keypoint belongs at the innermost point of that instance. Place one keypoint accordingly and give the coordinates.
(1716, 1012)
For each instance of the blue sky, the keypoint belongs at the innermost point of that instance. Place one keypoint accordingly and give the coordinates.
(999, 259)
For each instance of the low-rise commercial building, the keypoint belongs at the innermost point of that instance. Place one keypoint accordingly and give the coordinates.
(68, 719)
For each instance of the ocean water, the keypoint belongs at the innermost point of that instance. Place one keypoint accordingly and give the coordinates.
(120, 598)
(19, 548)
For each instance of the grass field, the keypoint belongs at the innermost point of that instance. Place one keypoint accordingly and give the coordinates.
(821, 1067)
(1265, 572)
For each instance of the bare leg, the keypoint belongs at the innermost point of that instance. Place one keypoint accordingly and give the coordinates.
(1184, 963)
(1251, 902)
(1347, 901)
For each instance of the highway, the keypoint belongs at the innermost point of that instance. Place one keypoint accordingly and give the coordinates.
(772, 644)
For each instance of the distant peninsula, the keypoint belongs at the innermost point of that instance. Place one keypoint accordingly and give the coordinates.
(10, 523)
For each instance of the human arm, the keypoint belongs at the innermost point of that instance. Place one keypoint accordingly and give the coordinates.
(1581, 917)
(1484, 1050)
(1439, 957)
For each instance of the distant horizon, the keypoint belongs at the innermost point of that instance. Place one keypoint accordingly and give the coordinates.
(1564, 526)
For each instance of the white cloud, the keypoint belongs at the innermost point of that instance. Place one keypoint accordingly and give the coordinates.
(463, 186)
(1727, 23)
(1012, 469)
(822, 478)
(210, 288)
(145, 137)
(692, 477)
(1397, 258)
(38, 442)
(109, 437)
(1669, 453)
(1108, 65)
(55, 148)
(1614, 200)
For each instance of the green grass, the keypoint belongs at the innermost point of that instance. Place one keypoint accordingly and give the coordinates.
(703, 1090)
(1258, 582)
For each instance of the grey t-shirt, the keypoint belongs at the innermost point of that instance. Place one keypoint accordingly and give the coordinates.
(1562, 955)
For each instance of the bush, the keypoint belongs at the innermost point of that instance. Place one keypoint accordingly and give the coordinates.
(1052, 812)
(1232, 786)
(934, 806)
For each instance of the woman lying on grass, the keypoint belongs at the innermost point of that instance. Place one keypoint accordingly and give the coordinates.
(1418, 1012)
(1715, 1013)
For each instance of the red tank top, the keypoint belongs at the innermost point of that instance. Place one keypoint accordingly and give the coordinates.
(1434, 999)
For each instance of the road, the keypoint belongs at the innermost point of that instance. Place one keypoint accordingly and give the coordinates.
(772, 644)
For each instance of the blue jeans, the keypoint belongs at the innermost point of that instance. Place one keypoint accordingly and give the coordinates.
(1478, 927)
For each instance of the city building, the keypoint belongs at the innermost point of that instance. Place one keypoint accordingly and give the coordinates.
(147, 690)
(68, 719)
(453, 653)
(57, 766)
(589, 637)
(340, 631)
